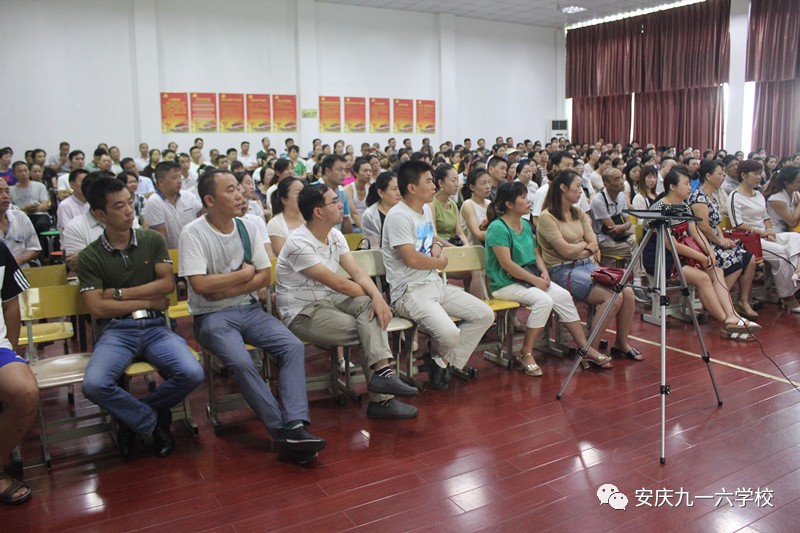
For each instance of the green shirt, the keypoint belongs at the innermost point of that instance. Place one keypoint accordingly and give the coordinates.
(445, 220)
(522, 246)
(100, 266)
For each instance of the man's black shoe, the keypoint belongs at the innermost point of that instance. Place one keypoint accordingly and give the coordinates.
(394, 410)
(126, 440)
(390, 385)
(163, 442)
(298, 441)
(437, 376)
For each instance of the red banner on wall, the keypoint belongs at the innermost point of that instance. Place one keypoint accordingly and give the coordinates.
(174, 113)
(284, 112)
(231, 112)
(379, 120)
(204, 112)
(259, 112)
(355, 114)
(426, 116)
(403, 116)
(330, 114)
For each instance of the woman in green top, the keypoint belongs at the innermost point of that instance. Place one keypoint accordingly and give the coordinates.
(516, 272)
(445, 210)
(447, 218)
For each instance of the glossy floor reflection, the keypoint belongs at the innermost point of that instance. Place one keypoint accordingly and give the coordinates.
(497, 453)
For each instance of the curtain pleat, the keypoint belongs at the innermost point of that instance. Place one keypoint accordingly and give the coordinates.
(776, 117)
(606, 117)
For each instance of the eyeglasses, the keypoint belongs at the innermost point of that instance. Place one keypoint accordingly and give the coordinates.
(334, 202)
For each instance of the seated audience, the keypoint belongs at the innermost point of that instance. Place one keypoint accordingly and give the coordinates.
(781, 193)
(286, 216)
(76, 159)
(736, 263)
(612, 227)
(83, 229)
(476, 199)
(131, 182)
(334, 170)
(706, 276)
(358, 189)
(17, 231)
(571, 253)
(516, 272)
(646, 189)
(169, 210)
(19, 391)
(411, 257)
(75, 204)
(732, 174)
(223, 285)
(748, 211)
(323, 308)
(449, 228)
(383, 195)
(126, 279)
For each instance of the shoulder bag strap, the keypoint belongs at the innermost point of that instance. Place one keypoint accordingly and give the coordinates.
(245, 238)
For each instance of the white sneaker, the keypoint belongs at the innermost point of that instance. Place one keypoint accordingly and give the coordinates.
(351, 367)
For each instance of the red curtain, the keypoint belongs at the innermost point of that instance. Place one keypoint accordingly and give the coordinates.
(686, 47)
(773, 41)
(687, 117)
(607, 117)
(776, 121)
(605, 59)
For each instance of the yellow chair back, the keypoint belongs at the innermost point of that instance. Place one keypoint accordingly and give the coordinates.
(46, 276)
(464, 259)
(38, 303)
(353, 240)
(173, 255)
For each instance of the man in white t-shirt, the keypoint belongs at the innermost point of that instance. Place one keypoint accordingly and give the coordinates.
(169, 210)
(324, 308)
(226, 265)
(17, 231)
(188, 178)
(60, 162)
(75, 204)
(76, 161)
(412, 257)
(145, 187)
(248, 160)
(144, 157)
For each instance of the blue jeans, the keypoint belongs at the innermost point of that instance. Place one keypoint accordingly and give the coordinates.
(124, 341)
(224, 333)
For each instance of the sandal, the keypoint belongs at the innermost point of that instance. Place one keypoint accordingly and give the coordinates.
(7, 496)
(633, 353)
(747, 325)
(734, 335)
(603, 362)
(531, 369)
(744, 309)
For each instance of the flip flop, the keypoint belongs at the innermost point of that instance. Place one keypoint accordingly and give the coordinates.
(7, 496)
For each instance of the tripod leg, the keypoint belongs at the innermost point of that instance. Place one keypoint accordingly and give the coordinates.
(703, 350)
(602, 318)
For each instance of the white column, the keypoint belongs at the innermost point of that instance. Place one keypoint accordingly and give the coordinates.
(448, 126)
(736, 123)
(146, 90)
(307, 78)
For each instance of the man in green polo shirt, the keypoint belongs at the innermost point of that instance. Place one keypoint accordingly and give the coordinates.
(126, 280)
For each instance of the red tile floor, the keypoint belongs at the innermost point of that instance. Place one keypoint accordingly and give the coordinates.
(497, 453)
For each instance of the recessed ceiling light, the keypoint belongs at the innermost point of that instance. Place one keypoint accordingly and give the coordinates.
(571, 10)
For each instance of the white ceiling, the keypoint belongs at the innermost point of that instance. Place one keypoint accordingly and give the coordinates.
(530, 12)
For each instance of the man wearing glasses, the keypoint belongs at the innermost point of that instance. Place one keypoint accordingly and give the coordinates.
(333, 174)
(126, 279)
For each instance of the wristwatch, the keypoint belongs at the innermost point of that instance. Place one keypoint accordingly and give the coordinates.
(117, 294)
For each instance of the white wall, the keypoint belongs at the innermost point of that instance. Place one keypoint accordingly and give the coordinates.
(103, 63)
(506, 79)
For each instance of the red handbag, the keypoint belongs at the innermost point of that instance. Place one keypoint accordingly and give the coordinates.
(750, 240)
(608, 276)
(687, 240)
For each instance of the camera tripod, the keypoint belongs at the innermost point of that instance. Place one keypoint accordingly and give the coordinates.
(658, 224)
